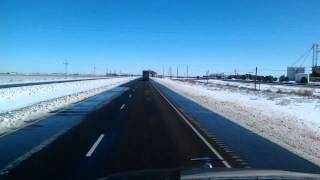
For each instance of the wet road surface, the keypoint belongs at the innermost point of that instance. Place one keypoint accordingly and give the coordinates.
(144, 128)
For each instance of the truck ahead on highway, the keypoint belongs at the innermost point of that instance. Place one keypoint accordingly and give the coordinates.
(145, 75)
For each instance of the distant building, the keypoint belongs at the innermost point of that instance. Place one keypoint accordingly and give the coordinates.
(293, 71)
(302, 78)
(217, 76)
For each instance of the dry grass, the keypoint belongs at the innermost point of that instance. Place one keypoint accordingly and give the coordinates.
(267, 91)
(304, 92)
(279, 91)
(284, 102)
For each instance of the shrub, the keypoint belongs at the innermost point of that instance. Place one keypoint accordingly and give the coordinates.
(305, 92)
(267, 90)
(304, 80)
(283, 78)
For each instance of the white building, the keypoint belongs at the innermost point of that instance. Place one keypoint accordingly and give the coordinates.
(293, 71)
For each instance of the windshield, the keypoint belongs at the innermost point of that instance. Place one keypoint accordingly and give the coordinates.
(93, 89)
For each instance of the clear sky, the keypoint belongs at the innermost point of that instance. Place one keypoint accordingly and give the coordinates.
(131, 35)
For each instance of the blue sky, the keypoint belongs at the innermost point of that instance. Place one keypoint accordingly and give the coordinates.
(131, 35)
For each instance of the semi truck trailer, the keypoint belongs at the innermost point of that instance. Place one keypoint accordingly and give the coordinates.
(145, 75)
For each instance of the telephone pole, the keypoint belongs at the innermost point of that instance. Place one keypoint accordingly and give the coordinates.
(177, 72)
(66, 64)
(255, 79)
(94, 70)
(187, 72)
(315, 52)
(162, 72)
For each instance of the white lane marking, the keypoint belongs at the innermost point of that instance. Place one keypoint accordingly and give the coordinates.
(130, 95)
(89, 153)
(42, 145)
(123, 105)
(32, 151)
(196, 131)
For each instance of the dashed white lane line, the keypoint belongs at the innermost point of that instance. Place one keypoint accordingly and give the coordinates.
(130, 95)
(95, 145)
(123, 105)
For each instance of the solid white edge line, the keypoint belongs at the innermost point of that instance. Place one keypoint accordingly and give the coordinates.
(123, 105)
(196, 131)
(95, 145)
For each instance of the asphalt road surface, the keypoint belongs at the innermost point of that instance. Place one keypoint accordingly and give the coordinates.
(138, 130)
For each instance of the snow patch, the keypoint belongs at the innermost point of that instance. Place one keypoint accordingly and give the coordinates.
(6, 79)
(20, 105)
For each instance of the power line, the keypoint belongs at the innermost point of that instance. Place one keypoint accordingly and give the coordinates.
(302, 56)
(305, 58)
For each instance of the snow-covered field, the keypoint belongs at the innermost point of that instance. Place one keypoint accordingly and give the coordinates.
(267, 87)
(19, 105)
(288, 119)
(20, 78)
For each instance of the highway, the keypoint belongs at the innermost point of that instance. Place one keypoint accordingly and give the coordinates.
(140, 127)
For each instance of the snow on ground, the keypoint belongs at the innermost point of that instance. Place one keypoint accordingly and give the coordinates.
(267, 87)
(19, 105)
(20, 78)
(290, 120)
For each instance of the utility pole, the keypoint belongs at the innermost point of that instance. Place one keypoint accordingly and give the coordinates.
(315, 54)
(162, 72)
(255, 79)
(94, 70)
(207, 76)
(66, 64)
(170, 72)
(187, 72)
(317, 51)
(177, 72)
